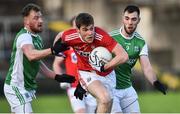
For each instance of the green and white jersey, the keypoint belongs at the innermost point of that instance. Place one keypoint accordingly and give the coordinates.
(135, 46)
(22, 72)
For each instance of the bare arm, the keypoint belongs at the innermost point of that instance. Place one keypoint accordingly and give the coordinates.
(46, 71)
(33, 54)
(120, 57)
(58, 61)
(147, 69)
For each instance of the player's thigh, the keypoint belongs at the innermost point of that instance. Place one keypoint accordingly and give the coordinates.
(129, 103)
(116, 106)
(25, 108)
(17, 97)
(91, 103)
(96, 85)
(76, 104)
(98, 90)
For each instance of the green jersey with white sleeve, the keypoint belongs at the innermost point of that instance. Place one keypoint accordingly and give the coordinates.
(22, 72)
(135, 46)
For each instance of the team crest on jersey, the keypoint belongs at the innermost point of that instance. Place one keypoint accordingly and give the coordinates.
(136, 48)
(74, 58)
(27, 95)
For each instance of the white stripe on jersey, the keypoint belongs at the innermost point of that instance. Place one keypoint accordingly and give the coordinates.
(138, 35)
(72, 36)
(114, 34)
(98, 36)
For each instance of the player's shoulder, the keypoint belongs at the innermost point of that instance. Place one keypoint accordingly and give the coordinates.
(138, 36)
(114, 32)
(100, 33)
(70, 34)
(99, 30)
(25, 36)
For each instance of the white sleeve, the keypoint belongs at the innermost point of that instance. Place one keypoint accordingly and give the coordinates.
(144, 51)
(24, 39)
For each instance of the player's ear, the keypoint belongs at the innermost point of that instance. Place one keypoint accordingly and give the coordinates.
(78, 29)
(26, 20)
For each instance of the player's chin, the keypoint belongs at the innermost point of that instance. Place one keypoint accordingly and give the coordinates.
(89, 40)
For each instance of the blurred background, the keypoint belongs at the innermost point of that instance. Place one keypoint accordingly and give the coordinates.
(160, 25)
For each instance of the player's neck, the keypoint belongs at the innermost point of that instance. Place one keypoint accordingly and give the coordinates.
(127, 36)
(29, 30)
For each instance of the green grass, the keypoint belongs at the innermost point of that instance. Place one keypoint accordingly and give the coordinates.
(159, 103)
(44, 103)
(149, 103)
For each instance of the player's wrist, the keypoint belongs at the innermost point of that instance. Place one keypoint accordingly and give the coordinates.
(102, 68)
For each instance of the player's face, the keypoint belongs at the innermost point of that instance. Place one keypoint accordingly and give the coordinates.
(130, 21)
(35, 21)
(87, 33)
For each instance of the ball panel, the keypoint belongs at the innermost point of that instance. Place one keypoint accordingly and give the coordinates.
(99, 56)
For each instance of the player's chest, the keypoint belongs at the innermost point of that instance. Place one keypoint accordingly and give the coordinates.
(131, 48)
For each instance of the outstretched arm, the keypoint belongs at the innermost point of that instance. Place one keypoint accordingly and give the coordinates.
(46, 71)
(58, 61)
(147, 69)
(150, 74)
(33, 54)
(60, 78)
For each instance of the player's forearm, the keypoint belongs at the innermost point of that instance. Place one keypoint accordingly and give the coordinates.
(46, 71)
(58, 61)
(121, 57)
(57, 68)
(150, 75)
(38, 54)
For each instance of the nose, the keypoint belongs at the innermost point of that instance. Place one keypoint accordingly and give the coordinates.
(90, 32)
(130, 21)
(40, 20)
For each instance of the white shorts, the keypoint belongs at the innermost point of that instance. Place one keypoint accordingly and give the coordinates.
(88, 103)
(125, 100)
(108, 81)
(19, 98)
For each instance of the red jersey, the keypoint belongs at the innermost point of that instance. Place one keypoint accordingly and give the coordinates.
(71, 65)
(83, 49)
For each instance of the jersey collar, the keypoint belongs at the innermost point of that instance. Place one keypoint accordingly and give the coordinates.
(35, 35)
(128, 38)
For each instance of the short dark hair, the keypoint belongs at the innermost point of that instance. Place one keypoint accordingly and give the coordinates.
(26, 10)
(84, 19)
(131, 9)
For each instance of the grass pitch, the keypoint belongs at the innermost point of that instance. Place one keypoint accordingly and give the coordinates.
(149, 103)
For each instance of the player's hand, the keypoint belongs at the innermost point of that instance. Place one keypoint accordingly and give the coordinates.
(59, 47)
(98, 68)
(65, 78)
(79, 93)
(159, 86)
